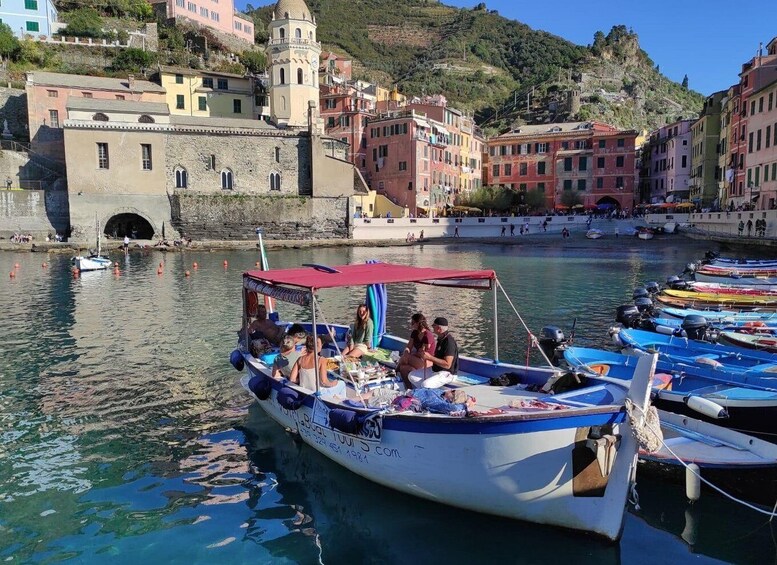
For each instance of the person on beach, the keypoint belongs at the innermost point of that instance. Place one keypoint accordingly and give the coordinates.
(504, 229)
(749, 227)
(512, 230)
(741, 227)
(456, 231)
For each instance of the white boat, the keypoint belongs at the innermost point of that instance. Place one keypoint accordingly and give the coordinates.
(670, 227)
(93, 261)
(645, 234)
(565, 460)
(594, 233)
(729, 459)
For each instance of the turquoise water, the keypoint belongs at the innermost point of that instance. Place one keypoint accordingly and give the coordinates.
(125, 436)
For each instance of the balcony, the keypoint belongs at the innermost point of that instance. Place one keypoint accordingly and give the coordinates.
(298, 41)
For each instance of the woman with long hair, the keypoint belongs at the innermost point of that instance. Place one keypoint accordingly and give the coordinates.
(421, 340)
(360, 341)
(304, 371)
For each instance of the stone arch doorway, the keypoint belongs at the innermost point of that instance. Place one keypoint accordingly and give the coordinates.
(133, 225)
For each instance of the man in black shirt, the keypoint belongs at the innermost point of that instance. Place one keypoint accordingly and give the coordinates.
(445, 361)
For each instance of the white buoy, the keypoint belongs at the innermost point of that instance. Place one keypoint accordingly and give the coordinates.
(692, 482)
(705, 406)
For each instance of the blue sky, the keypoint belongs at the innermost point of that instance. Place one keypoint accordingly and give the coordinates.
(706, 39)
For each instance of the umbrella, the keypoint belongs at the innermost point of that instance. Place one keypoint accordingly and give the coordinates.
(578, 206)
(561, 207)
(685, 205)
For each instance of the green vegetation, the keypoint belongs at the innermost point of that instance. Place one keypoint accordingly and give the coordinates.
(9, 45)
(84, 22)
(133, 60)
(254, 61)
(136, 9)
(487, 64)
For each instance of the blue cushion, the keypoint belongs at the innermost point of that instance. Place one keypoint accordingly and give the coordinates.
(268, 358)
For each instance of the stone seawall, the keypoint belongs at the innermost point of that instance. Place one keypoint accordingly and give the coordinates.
(235, 216)
(34, 212)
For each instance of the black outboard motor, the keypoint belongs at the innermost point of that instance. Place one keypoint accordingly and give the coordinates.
(640, 292)
(695, 327)
(676, 283)
(551, 338)
(644, 305)
(652, 287)
(710, 256)
(628, 315)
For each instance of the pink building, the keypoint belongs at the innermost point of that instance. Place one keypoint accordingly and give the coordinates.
(334, 65)
(47, 95)
(405, 151)
(757, 82)
(762, 147)
(670, 162)
(217, 14)
(345, 111)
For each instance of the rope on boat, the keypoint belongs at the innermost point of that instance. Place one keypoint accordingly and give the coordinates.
(340, 353)
(651, 427)
(533, 339)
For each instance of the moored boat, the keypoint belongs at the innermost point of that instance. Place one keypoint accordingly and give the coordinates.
(760, 340)
(683, 388)
(93, 261)
(566, 460)
(594, 233)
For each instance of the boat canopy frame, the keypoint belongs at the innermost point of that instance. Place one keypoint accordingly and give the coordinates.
(300, 285)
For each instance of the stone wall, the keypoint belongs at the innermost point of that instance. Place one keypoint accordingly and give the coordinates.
(86, 208)
(24, 173)
(250, 158)
(13, 108)
(235, 216)
(34, 212)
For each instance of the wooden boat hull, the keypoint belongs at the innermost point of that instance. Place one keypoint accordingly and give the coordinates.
(750, 341)
(723, 298)
(751, 281)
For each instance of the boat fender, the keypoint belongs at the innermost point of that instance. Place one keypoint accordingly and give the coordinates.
(236, 358)
(290, 398)
(706, 407)
(347, 421)
(260, 386)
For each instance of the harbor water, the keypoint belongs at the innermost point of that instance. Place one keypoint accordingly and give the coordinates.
(125, 436)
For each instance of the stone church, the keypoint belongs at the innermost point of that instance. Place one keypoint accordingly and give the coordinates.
(138, 170)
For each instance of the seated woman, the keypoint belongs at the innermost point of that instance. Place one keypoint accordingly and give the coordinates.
(360, 341)
(304, 372)
(421, 341)
(297, 331)
(286, 359)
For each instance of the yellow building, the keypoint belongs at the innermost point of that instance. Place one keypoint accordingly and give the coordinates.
(192, 92)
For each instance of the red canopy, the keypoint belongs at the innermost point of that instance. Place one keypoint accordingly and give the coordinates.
(318, 277)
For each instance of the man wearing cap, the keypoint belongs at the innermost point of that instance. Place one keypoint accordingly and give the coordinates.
(445, 361)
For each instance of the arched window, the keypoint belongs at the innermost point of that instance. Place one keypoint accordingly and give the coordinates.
(299, 76)
(310, 35)
(277, 154)
(275, 181)
(145, 119)
(226, 179)
(100, 117)
(283, 76)
(282, 33)
(181, 178)
(298, 33)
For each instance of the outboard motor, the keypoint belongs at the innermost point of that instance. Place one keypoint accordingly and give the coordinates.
(551, 338)
(680, 285)
(628, 315)
(644, 305)
(711, 256)
(695, 326)
(640, 292)
(690, 268)
(652, 287)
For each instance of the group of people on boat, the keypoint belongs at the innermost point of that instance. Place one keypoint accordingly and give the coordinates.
(429, 360)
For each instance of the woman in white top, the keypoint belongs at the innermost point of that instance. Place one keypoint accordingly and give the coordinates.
(304, 371)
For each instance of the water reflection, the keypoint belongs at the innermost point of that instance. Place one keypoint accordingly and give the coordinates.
(118, 409)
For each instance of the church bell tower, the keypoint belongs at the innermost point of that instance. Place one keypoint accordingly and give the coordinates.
(294, 55)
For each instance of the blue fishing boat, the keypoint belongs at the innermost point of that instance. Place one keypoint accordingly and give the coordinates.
(698, 392)
(734, 363)
(719, 315)
(566, 459)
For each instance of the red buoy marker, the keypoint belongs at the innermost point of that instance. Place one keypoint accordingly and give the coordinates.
(187, 273)
(195, 265)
